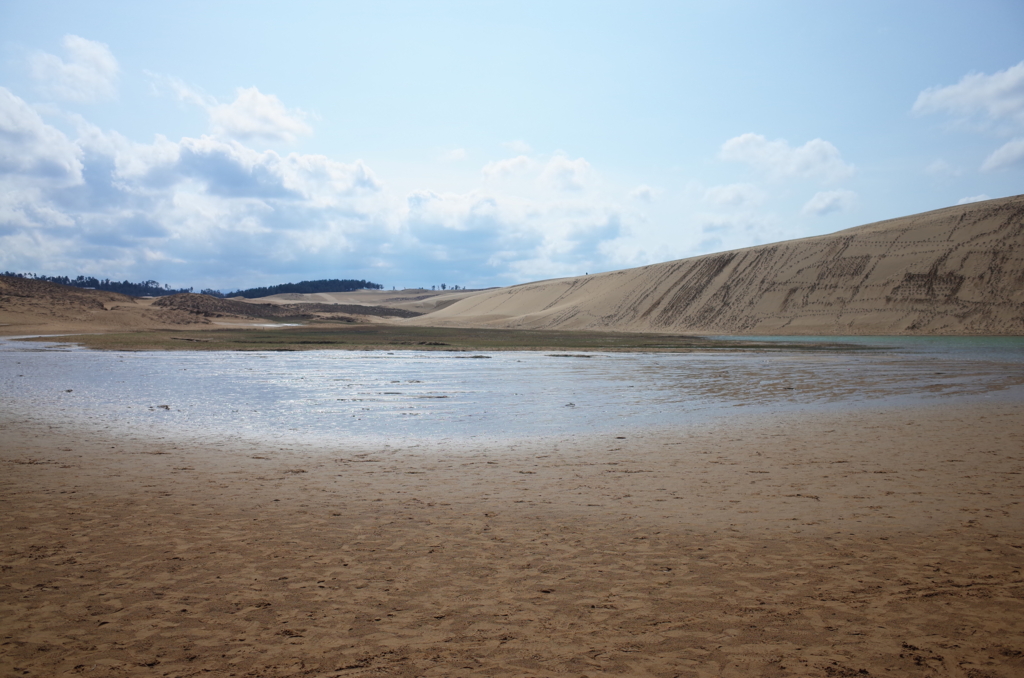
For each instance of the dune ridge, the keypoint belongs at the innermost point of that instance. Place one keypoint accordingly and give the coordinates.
(958, 270)
(30, 306)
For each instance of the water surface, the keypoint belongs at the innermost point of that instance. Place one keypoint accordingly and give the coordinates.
(369, 396)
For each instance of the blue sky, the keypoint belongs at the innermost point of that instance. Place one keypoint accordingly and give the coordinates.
(234, 144)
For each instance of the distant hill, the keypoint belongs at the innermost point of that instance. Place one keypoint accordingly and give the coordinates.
(304, 287)
(958, 270)
(29, 305)
(149, 288)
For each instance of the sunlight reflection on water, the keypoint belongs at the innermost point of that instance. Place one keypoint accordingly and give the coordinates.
(374, 395)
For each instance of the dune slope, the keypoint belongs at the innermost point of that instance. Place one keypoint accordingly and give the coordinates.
(36, 306)
(958, 270)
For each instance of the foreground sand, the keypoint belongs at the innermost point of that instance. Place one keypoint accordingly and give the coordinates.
(854, 544)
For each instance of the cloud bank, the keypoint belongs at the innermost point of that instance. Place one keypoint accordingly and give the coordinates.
(214, 210)
(230, 205)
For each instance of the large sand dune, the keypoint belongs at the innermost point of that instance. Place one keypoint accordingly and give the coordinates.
(958, 270)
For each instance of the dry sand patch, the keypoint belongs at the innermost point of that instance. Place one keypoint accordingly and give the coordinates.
(864, 543)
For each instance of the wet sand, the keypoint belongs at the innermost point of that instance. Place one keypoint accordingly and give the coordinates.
(860, 543)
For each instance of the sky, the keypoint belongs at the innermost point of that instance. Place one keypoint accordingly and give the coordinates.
(229, 145)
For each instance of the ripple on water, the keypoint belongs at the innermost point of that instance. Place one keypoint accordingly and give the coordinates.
(372, 395)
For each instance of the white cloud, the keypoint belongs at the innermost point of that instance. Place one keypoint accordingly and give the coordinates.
(642, 192)
(816, 159)
(825, 202)
(942, 168)
(973, 198)
(31, 148)
(558, 173)
(257, 116)
(995, 97)
(212, 211)
(496, 235)
(180, 89)
(203, 207)
(232, 170)
(252, 117)
(507, 167)
(89, 74)
(734, 195)
(1007, 155)
(564, 174)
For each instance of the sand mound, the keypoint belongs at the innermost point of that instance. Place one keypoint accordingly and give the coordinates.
(18, 292)
(38, 307)
(212, 307)
(417, 301)
(958, 270)
(30, 306)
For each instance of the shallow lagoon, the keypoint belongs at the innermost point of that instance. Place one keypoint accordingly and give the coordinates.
(371, 396)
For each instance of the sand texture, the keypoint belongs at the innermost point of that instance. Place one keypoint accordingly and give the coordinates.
(958, 270)
(855, 544)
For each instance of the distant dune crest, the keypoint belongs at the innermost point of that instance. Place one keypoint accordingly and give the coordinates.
(958, 270)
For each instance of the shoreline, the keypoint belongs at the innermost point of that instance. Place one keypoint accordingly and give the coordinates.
(786, 544)
(396, 337)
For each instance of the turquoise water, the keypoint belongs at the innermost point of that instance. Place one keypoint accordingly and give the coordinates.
(331, 396)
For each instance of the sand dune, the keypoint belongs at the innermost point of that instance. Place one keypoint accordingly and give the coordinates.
(208, 306)
(958, 270)
(35, 306)
(39, 307)
(414, 300)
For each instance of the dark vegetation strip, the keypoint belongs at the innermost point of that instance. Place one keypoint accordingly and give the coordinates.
(307, 287)
(151, 288)
(400, 337)
(148, 288)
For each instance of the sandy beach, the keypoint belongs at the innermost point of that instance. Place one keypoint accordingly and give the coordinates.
(511, 340)
(860, 543)
(829, 537)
